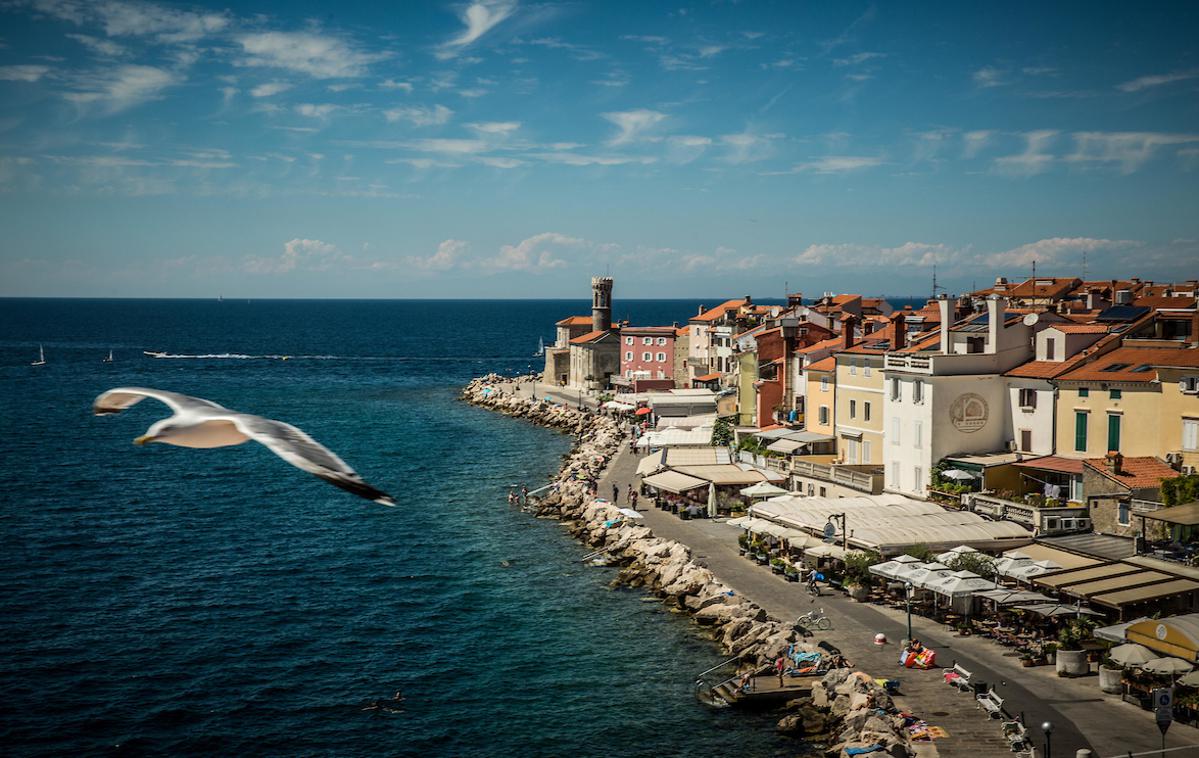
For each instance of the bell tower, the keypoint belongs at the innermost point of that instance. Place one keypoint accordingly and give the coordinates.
(601, 303)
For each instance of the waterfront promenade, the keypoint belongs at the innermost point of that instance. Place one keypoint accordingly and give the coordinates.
(1081, 714)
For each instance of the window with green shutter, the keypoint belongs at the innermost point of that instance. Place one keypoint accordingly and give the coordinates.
(1080, 432)
(1084, 392)
(1113, 432)
(1116, 394)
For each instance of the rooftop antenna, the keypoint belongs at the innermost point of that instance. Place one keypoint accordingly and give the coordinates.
(935, 285)
(1034, 272)
(1084, 265)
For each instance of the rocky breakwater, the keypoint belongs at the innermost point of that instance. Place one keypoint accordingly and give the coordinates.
(858, 710)
(864, 715)
(664, 567)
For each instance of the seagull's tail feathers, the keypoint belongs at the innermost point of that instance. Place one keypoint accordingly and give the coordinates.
(357, 486)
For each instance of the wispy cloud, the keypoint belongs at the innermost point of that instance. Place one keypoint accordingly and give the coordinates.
(120, 88)
(23, 73)
(1128, 150)
(1157, 80)
(973, 142)
(748, 146)
(315, 110)
(132, 18)
(989, 76)
(420, 115)
(498, 128)
(838, 164)
(320, 56)
(541, 252)
(848, 255)
(393, 84)
(303, 254)
(632, 124)
(1058, 251)
(103, 47)
(479, 18)
(858, 58)
(1036, 157)
(449, 254)
(269, 89)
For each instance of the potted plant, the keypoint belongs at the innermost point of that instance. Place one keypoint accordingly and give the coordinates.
(743, 544)
(858, 578)
(1049, 653)
(777, 565)
(1110, 676)
(1071, 658)
(791, 573)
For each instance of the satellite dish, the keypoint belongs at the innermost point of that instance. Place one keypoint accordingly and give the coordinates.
(830, 531)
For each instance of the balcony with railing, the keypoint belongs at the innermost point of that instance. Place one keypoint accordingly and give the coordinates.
(1052, 519)
(920, 364)
(867, 479)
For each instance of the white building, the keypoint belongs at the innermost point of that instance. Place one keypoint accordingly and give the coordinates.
(1031, 395)
(947, 395)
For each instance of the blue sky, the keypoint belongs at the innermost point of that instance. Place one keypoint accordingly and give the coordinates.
(512, 149)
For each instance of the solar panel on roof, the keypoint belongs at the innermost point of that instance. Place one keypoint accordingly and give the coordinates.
(1142, 368)
(1122, 313)
(1116, 367)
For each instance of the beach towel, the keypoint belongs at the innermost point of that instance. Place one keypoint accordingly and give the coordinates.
(864, 750)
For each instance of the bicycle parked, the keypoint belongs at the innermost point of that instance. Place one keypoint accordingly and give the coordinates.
(815, 620)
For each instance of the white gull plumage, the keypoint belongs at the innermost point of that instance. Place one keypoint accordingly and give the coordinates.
(202, 423)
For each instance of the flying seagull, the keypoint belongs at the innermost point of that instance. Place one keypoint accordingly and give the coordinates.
(202, 423)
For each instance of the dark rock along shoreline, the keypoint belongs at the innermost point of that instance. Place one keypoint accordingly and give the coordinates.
(861, 711)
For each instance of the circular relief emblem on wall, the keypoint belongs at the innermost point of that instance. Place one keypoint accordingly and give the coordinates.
(969, 413)
(1160, 631)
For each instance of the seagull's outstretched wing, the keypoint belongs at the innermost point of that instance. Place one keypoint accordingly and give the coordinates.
(117, 400)
(297, 448)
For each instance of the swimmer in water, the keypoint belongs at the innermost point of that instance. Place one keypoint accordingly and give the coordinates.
(395, 705)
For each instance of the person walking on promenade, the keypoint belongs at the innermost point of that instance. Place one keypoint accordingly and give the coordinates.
(615, 492)
(633, 499)
(813, 587)
(629, 492)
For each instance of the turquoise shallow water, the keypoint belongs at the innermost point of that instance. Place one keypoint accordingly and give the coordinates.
(167, 601)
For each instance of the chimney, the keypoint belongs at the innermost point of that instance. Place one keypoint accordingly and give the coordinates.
(701, 310)
(996, 306)
(946, 322)
(1115, 461)
(899, 331)
(848, 322)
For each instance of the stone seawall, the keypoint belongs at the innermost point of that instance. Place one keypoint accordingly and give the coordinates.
(665, 567)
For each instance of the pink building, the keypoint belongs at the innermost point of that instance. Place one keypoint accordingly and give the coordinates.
(647, 353)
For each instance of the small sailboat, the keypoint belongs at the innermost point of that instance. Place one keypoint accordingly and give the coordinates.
(41, 357)
(109, 358)
(540, 348)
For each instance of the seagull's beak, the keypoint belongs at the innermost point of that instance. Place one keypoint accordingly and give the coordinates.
(143, 439)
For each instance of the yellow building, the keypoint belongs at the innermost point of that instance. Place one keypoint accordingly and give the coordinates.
(821, 403)
(859, 400)
(1131, 400)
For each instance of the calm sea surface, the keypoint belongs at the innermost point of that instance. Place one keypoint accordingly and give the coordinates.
(160, 600)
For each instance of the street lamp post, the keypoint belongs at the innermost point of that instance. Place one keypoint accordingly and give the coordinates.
(1047, 728)
(908, 592)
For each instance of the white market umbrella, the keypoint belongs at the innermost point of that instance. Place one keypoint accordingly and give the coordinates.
(1036, 568)
(926, 574)
(712, 500)
(959, 584)
(959, 550)
(1005, 565)
(1052, 610)
(630, 513)
(763, 489)
(1190, 680)
(1131, 654)
(958, 474)
(890, 569)
(1167, 666)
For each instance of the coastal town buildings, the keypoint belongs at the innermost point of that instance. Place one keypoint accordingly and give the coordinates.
(647, 357)
(946, 395)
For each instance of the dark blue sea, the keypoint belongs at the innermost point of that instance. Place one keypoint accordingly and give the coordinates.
(160, 600)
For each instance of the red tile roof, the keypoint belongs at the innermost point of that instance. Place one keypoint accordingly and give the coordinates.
(680, 332)
(1122, 364)
(1136, 473)
(707, 377)
(1054, 463)
(714, 313)
(1072, 328)
(1176, 301)
(832, 342)
(827, 364)
(583, 339)
(575, 321)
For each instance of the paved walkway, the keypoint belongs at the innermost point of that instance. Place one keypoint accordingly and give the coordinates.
(1082, 715)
